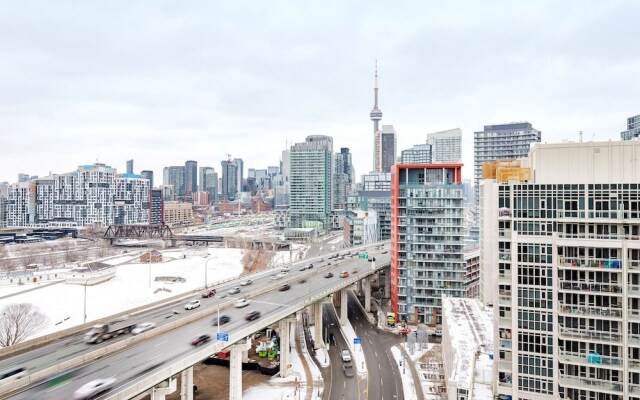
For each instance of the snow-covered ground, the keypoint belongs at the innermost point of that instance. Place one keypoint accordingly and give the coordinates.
(133, 286)
(408, 386)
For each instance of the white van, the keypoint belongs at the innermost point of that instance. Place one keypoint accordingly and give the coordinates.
(12, 374)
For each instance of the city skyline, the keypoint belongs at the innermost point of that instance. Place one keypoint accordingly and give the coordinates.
(75, 90)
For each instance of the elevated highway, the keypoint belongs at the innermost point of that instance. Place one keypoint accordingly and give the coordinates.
(141, 362)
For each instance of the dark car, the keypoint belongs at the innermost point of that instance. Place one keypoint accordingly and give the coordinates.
(252, 315)
(328, 275)
(284, 287)
(223, 319)
(310, 266)
(347, 367)
(200, 340)
(209, 293)
(303, 269)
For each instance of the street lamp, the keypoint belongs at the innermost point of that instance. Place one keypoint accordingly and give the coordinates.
(205, 273)
(85, 299)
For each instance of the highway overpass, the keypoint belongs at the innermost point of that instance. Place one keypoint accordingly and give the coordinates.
(142, 362)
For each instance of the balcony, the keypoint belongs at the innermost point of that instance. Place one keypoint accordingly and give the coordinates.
(591, 263)
(504, 256)
(633, 290)
(634, 388)
(572, 333)
(505, 344)
(504, 278)
(575, 310)
(504, 365)
(633, 339)
(589, 359)
(599, 385)
(580, 286)
(633, 315)
(504, 322)
(633, 265)
(504, 234)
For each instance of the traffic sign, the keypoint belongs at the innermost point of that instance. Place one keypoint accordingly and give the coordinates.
(357, 340)
(364, 255)
(222, 336)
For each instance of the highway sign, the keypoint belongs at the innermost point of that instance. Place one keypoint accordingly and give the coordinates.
(364, 255)
(357, 340)
(222, 337)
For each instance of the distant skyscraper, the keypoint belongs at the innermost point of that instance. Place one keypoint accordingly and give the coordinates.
(633, 128)
(376, 116)
(311, 182)
(23, 177)
(446, 146)
(147, 174)
(129, 166)
(240, 174)
(174, 176)
(343, 178)
(156, 207)
(386, 145)
(209, 182)
(229, 179)
(190, 177)
(501, 142)
(418, 154)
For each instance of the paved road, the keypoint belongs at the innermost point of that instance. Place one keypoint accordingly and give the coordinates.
(342, 387)
(384, 377)
(138, 361)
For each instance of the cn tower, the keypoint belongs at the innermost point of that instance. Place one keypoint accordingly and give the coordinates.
(376, 116)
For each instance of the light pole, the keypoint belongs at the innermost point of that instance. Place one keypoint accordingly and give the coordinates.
(85, 299)
(205, 273)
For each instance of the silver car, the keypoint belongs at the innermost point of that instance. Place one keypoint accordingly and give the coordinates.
(143, 327)
(234, 290)
(94, 388)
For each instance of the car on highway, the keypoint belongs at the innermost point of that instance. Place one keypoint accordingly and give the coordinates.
(354, 271)
(143, 327)
(246, 282)
(209, 293)
(94, 388)
(385, 252)
(284, 287)
(234, 290)
(192, 304)
(348, 369)
(345, 355)
(12, 374)
(276, 277)
(328, 275)
(221, 320)
(344, 274)
(252, 315)
(303, 280)
(303, 268)
(310, 266)
(243, 302)
(200, 340)
(282, 275)
(328, 264)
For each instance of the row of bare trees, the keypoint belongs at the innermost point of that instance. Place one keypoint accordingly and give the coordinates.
(18, 321)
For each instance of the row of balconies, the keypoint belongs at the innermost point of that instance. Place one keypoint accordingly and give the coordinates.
(566, 285)
(600, 263)
(574, 310)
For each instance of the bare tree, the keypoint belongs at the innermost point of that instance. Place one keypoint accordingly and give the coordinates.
(19, 321)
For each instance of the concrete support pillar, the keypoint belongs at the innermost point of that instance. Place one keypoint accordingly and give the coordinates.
(317, 317)
(235, 369)
(387, 285)
(245, 356)
(285, 344)
(343, 307)
(186, 384)
(367, 293)
(360, 287)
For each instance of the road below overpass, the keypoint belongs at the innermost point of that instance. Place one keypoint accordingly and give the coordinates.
(134, 363)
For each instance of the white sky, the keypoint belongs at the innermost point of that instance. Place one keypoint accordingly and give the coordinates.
(163, 82)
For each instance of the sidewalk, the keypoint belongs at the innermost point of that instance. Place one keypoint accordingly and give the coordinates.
(414, 373)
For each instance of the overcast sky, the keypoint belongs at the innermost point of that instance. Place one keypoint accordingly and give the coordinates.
(166, 82)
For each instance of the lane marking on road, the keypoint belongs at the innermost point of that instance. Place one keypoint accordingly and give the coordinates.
(381, 382)
(268, 302)
(59, 386)
(161, 343)
(376, 353)
(154, 357)
(370, 342)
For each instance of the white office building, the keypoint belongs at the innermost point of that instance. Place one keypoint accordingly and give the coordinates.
(446, 146)
(562, 255)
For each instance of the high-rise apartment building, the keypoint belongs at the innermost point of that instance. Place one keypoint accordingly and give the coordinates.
(190, 177)
(156, 207)
(446, 146)
(427, 240)
(311, 175)
(130, 167)
(343, 178)
(240, 175)
(386, 145)
(501, 142)
(633, 129)
(281, 182)
(91, 194)
(209, 182)
(23, 177)
(174, 176)
(229, 179)
(418, 154)
(562, 253)
(373, 193)
(147, 174)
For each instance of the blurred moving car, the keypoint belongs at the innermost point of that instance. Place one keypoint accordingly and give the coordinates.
(252, 315)
(209, 293)
(246, 282)
(143, 327)
(328, 275)
(94, 388)
(354, 271)
(344, 274)
(243, 302)
(284, 287)
(12, 374)
(200, 340)
(234, 290)
(275, 277)
(192, 304)
(223, 319)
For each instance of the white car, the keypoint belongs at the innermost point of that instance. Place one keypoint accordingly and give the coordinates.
(346, 355)
(243, 302)
(246, 283)
(143, 327)
(192, 304)
(275, 277)
(234, 290)
(94, 388)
